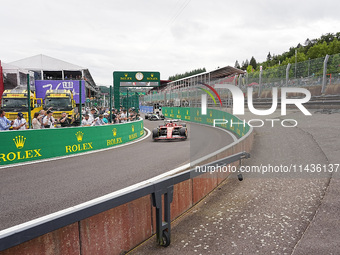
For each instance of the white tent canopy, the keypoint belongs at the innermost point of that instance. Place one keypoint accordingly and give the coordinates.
(43, 62)
(7, 68)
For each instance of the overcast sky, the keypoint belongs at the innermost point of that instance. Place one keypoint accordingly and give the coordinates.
(169, 36)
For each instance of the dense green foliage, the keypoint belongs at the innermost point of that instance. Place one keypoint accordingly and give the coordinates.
(187, 74)
(315, 48)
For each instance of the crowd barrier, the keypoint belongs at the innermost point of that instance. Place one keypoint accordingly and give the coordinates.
(27, 145)
(113, 228)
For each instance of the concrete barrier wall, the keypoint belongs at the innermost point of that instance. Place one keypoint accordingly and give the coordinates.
(30, 145)
(122, 228)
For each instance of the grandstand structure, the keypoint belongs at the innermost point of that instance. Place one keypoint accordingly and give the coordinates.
(321, 76)
(186, 92)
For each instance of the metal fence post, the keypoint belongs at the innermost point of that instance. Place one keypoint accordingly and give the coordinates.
(287, 73)
(29, 102)
(260, 83)
(80, 102)
(110, 104)
(324, 77)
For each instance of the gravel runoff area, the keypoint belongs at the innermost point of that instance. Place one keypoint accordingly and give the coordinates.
(270, 213)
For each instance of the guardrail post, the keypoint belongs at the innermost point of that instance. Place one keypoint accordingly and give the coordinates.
(163, 229)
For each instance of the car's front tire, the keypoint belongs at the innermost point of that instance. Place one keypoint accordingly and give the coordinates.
(155, 133)
(183, 132)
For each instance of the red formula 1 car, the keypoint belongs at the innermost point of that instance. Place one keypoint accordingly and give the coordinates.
(171, 130)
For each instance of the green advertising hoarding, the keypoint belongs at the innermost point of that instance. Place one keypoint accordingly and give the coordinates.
(28, 145)
(194, 115)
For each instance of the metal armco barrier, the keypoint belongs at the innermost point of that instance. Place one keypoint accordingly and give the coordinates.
(18, 234)
(29, 145)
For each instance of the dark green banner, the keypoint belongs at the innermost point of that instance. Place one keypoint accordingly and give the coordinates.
(28, 145)
(222, 119)
(132, 79)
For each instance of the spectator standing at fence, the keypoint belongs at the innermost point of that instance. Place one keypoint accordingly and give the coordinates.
(41, 117)
(35, 122)
(65, 121)
(91, 115)
(114, 116)
(132, 114)
(5, 123)
(20, 122)
(48, 120)
(99, 121)
(102, 110)
(123, 117)
(105, 119)
(86, 121)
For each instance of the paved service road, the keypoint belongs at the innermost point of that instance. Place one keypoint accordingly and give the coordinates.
(32, 191)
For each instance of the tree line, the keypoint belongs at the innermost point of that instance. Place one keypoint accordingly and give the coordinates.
(187, 74)
(315, 48)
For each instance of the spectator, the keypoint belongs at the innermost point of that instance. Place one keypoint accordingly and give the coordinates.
(20, 122)
(114, 116)
(91, 115)
(35, 122)
(48, 120)
(105, 119)
(99, 121)
(132, 114)
(101, 111)
(86, 121)
(5, 124)
(76, 121)
(41, 116)
(65, 121)
(123, 117)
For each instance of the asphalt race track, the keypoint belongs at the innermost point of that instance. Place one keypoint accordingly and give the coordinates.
(35, 190)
